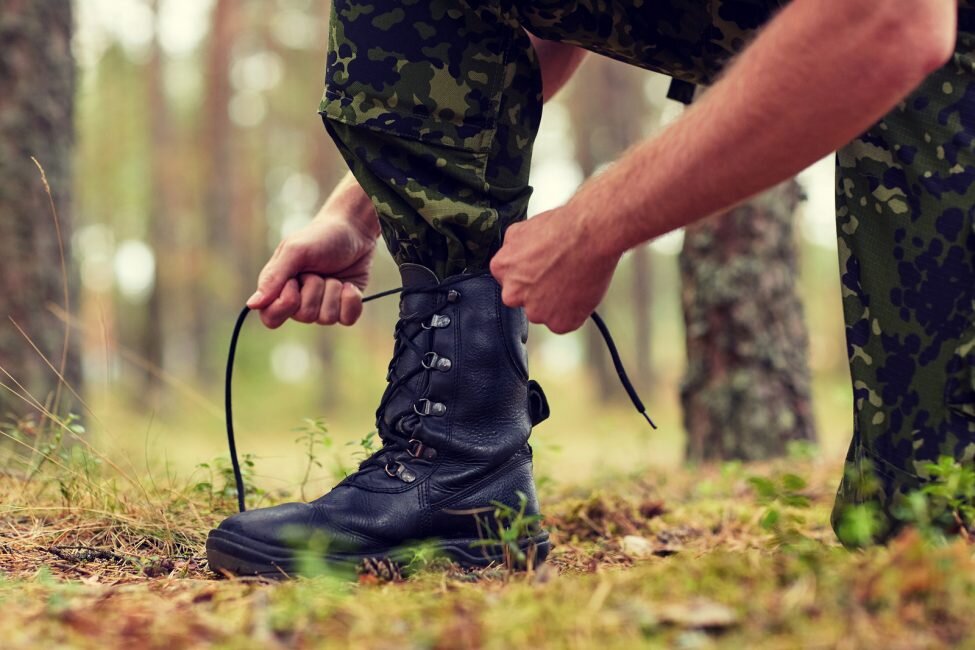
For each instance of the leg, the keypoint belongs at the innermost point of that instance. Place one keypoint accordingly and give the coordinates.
(905, 217)
(435, 105)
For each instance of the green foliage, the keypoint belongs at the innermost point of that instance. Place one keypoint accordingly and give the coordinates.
(318, 442)
(802, 450)
(944, 504)
(723, 582)
(860, 525)
(942, 507)
(35, 446)
(53, 451)
(366, 445)
(314, 437)
(505, 527)
(220, 486)
(424, 556)
(310, 551)
(786, 509)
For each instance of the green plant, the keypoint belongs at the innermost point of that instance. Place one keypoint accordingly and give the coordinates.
(35, 446)
(316, 441)
(785, 506)
(802, 450)
(220, 484)
(366, 445)
(944, 504)
(860, 525)
(505, 526)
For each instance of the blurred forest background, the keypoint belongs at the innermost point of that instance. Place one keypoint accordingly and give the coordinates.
(197, 146)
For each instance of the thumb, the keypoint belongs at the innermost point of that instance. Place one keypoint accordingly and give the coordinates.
(283, 266)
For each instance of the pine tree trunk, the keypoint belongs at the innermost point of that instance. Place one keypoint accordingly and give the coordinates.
(37, 80)
(746, 391)
(223, 240)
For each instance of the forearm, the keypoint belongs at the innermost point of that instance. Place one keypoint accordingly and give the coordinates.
(349, 201)
(819, 75)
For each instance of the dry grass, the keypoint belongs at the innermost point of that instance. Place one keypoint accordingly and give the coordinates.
(93, 559)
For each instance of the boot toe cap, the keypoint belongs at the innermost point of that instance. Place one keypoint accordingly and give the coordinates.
(276, 525)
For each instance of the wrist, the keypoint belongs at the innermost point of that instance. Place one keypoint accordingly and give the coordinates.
(350, 204)
(597, 232)
(365, 219)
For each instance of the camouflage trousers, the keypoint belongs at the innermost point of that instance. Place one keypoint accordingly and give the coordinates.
(435, 106)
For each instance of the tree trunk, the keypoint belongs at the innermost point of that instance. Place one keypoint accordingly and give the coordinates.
(223, 232)
(37, 80)
(746, 391)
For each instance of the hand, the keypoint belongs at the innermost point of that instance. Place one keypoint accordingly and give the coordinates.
(317, 274)
(551, 266)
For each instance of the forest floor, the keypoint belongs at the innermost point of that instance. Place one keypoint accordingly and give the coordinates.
(736, 556)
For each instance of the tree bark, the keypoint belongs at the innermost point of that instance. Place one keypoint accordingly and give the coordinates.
(223, 231)
(746, 393)
(37, 81)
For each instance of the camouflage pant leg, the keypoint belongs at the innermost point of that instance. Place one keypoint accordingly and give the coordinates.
(905, 210)
(435, 105)
(424, 99)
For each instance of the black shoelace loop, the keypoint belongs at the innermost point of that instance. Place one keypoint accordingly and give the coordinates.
(400, 441)
(393, 443)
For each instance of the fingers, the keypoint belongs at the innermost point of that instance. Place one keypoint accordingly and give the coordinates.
(275, 275)
(563, 326)
(498, 266)
(330, 310)
(284, 307)
(314, 299)
(557, 323)
(328, 301)
(512, 296)
(312, 293)
(351, 304)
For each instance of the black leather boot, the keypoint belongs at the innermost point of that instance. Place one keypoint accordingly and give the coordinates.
(454, 419)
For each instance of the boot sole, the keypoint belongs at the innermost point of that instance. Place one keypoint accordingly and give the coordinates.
(236, 555)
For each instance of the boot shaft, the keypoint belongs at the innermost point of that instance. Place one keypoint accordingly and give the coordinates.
(459, 389)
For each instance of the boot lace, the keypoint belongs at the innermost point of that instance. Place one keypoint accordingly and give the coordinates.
(411, 333)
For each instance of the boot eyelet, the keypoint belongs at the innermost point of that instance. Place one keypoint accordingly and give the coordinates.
(420, 450)
(401, 471)
(426, 407)
(433, 361)
(437, 321)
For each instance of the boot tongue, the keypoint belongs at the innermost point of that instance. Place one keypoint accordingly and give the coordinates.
(415, 276)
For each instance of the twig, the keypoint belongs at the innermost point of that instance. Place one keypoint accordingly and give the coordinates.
(78, 554)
